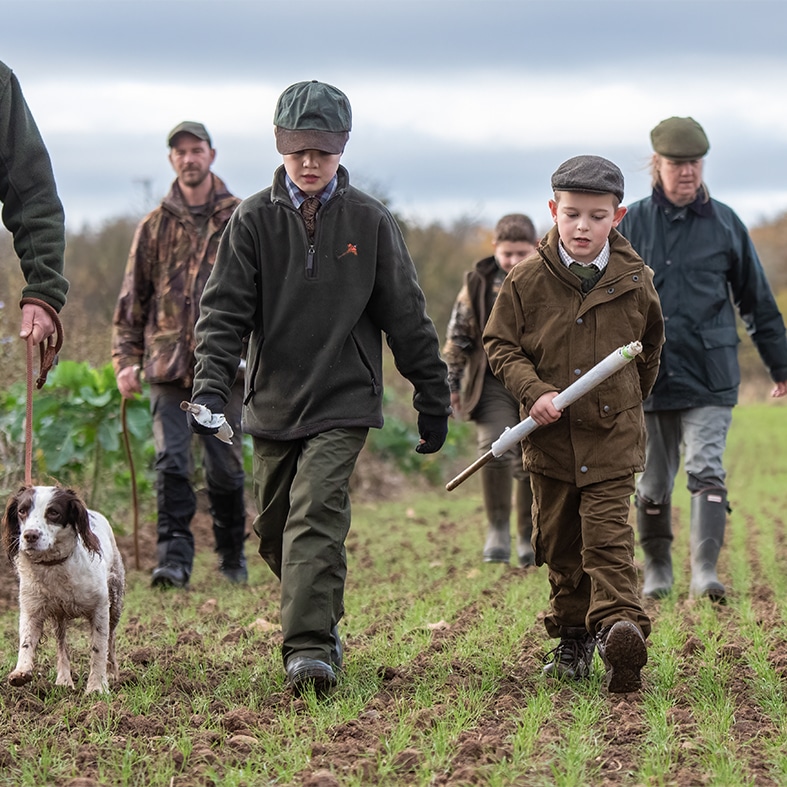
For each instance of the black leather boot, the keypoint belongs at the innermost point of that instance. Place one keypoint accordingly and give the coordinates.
(229, 529)
(176, 507)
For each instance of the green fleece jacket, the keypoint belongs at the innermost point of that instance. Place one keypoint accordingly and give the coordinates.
(316, 314)
(32, 210)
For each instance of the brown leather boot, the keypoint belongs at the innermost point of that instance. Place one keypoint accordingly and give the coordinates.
(623, 650)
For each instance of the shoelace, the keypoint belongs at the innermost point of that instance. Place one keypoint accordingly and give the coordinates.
(573, 648)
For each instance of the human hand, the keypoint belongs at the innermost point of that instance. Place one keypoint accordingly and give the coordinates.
(456, 402)
(128, 381)
(212, 402)
(779, 390)
(543, 412)
(433, 430)
(36, 323)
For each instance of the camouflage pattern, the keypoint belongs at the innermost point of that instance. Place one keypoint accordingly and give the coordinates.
(463, 350)
(171, 257)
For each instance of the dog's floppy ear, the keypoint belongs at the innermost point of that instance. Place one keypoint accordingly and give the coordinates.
(11, 524)
(77, 514)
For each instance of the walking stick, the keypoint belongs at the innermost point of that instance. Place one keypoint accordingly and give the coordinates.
(614, 362)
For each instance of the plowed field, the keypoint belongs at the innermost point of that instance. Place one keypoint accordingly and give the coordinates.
(443, 653)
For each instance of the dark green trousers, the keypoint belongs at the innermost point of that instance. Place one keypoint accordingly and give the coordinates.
(301, 489)
(583, 536)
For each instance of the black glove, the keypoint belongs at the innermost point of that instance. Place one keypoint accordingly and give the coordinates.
(214, 403)
(433, 430)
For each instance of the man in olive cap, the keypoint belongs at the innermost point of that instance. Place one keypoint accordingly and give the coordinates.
(704, 263)
(153, 333)
(315, 272)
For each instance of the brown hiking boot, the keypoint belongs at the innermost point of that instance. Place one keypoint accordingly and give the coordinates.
(623, 650)
(573, 657)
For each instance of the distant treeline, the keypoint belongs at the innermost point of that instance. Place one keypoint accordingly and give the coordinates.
(96, 258)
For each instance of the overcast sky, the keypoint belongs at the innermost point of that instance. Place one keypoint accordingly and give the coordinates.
(461, 108)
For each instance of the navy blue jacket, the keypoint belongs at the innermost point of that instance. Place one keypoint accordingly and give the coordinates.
(705, 268)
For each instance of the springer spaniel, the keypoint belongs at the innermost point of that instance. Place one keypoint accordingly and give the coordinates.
(69, 567)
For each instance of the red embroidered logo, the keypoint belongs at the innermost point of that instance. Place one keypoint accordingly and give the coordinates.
(351, 249)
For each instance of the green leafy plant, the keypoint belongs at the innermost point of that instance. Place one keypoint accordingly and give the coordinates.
(397, 439)
(77, 433)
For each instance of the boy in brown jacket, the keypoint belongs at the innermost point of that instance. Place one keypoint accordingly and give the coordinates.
(478, 395)
(580, 296)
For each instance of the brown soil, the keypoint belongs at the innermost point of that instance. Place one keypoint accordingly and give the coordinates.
(353, 745)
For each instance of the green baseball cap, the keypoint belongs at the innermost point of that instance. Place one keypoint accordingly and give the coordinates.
(312, 115)
(679, 139)
(189, 127)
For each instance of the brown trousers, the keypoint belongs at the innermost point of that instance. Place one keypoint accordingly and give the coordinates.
(583, 536)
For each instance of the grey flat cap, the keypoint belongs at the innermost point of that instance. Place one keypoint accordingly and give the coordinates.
(591, 174)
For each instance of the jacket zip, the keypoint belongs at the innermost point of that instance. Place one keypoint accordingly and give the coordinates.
(310, 262)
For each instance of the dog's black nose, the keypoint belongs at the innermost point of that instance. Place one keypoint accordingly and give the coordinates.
(31, 536)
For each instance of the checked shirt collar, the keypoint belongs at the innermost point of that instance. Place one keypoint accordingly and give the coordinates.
(297, 196)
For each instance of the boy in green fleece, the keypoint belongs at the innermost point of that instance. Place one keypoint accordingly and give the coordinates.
(314, 272)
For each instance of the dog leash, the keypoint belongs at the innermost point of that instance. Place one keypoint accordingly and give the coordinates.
(48, 354)
(134, 496)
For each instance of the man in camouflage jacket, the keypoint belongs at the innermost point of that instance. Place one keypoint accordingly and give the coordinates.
(172, 254)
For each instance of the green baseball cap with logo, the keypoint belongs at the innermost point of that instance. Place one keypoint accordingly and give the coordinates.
(679, 139)
(312, 116)
(189, 127)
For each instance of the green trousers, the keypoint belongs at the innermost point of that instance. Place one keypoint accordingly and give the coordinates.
(583, 536)
(301, 490)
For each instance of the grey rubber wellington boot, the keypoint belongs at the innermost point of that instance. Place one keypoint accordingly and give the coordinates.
(654, 527)
(524, 523)
(496, 483)
(708, 521)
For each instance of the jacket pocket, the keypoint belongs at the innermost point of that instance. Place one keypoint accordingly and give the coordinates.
(720, 357)
(620, 392)
(168, 356)
(367, 364)
(251, 373)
